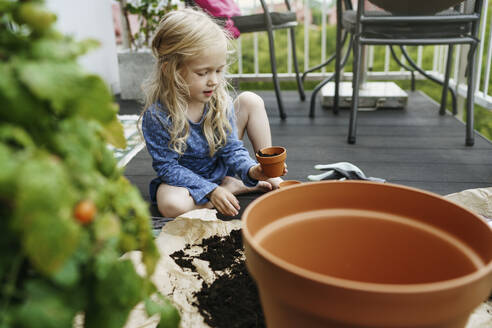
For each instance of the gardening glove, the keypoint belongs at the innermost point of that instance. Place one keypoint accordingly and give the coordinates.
(341, 171)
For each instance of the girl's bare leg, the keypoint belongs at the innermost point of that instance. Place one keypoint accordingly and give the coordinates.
(173, 201)
(252, 119)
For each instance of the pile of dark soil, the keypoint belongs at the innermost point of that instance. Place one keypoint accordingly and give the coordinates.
(232, 299)
(266, 155)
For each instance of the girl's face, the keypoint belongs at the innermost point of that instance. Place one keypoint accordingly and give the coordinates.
(203, 73)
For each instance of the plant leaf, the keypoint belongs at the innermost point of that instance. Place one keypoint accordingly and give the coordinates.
(114, 296)
(62, 49)
(114, 134)
(45, 307)
(169, 314)
(43, 213)
(55, 82)
(95, 100)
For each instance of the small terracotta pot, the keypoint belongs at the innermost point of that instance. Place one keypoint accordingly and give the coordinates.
(272, 166)
(288, 183)
(365, 254)
(415, 7)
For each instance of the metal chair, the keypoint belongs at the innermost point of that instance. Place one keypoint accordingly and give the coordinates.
(268, 21)
(458, 25)
(341, 43)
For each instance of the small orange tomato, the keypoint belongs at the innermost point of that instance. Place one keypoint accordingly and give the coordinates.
(85, 211)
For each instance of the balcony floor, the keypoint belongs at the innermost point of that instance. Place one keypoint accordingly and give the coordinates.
(414, 146)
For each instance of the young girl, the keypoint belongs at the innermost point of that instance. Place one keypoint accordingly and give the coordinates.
(191, 126)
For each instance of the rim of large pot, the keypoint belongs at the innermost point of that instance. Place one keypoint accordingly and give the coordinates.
(357, 285)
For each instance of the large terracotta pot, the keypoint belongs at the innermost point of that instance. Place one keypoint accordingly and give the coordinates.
(415, 7)
(365, 254)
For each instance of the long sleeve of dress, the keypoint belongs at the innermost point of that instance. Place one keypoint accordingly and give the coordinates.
(166, 162)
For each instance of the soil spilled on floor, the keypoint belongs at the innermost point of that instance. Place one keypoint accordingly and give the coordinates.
(231, 300)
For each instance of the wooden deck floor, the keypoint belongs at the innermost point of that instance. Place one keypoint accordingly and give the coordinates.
(414, 146)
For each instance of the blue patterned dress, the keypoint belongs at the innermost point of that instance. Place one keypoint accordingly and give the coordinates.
(195, 169)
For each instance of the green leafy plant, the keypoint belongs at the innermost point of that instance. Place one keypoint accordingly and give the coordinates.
(67, 215)
(149, 13)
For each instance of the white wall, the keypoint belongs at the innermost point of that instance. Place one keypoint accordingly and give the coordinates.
(91, 19)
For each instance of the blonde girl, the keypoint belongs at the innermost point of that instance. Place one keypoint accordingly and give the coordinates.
(191, 126)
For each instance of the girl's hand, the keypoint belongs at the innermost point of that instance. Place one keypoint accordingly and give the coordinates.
(255, 172)
(224, 201)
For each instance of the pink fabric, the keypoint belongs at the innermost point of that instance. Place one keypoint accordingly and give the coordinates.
(223, 9)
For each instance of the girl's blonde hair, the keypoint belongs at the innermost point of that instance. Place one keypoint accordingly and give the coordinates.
(183, 35)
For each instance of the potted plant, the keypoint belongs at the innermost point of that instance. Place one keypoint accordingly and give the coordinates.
(135, 60)
(67, 214)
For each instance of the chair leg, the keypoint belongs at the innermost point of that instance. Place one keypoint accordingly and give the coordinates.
(355, 92)
(338, 66)
(430, 77)
(398, 61)
(317, 67)
(326, 62)
(300, 86)
(445, 85)
(273, 64)
(312, 105)
(470, 97)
